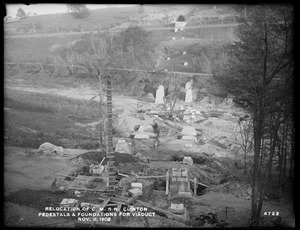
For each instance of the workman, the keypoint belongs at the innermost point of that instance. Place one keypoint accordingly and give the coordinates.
(156, 131)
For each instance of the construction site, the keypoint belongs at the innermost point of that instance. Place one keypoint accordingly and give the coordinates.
(157, 148)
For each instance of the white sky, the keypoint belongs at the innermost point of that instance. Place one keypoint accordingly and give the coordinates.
(41, 9)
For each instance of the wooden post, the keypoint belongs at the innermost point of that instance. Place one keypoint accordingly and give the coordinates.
(195, 186)
(101, 111)
(167, 183)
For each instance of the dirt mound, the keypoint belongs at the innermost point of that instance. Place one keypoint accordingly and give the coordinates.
(95, 157)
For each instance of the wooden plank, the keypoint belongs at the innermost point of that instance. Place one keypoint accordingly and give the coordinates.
(123, 197)
(150, 176)
(160, 210)
(124, 190)
(118, 202)
(59, 174)
(147, 225)
(121, 174)
(85, 189)
(105, 203)
(195, 186)
(111, 205)
(167, 183)
(204, 185)
(132, 199)
(102, 161)
(119, 207)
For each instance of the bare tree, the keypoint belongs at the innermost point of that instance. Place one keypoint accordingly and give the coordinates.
(256, 67)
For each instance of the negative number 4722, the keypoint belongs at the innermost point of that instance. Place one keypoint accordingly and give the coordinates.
(271, 213)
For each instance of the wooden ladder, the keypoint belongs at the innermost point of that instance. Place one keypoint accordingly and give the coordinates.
(111, 169)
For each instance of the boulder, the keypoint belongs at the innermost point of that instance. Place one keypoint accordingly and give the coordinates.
(123, 147)
(188, 131)
(135, 192)
(49, 149)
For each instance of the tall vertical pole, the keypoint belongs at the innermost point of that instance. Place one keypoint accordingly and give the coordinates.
(195, 186)
(102, 121)
(167, 183)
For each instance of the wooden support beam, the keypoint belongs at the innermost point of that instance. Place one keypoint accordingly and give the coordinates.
(102, 161)
(141, 177)
(147, 225)
(105, 203)
(124, 190)
(204, 185)
(87, 178)
(85, 189)
(121, 174)
(167, 183)
(132, 199)
(119, 207)
(195, 186)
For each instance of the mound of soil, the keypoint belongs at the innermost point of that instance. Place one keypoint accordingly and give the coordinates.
(94, 157)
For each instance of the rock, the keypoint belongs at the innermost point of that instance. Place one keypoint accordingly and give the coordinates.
(188, 161)
(177, 208)
(135, 192)
(137, 185)
(160, 94)
(146, 128)
(123, 147)
(188, 131)
(141, 136)
(126, 125)
(49, 149)
(96, 169)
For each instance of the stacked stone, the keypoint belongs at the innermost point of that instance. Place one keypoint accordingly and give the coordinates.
(179, 174)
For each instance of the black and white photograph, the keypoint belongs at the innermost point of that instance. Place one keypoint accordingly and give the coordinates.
(149, 115)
